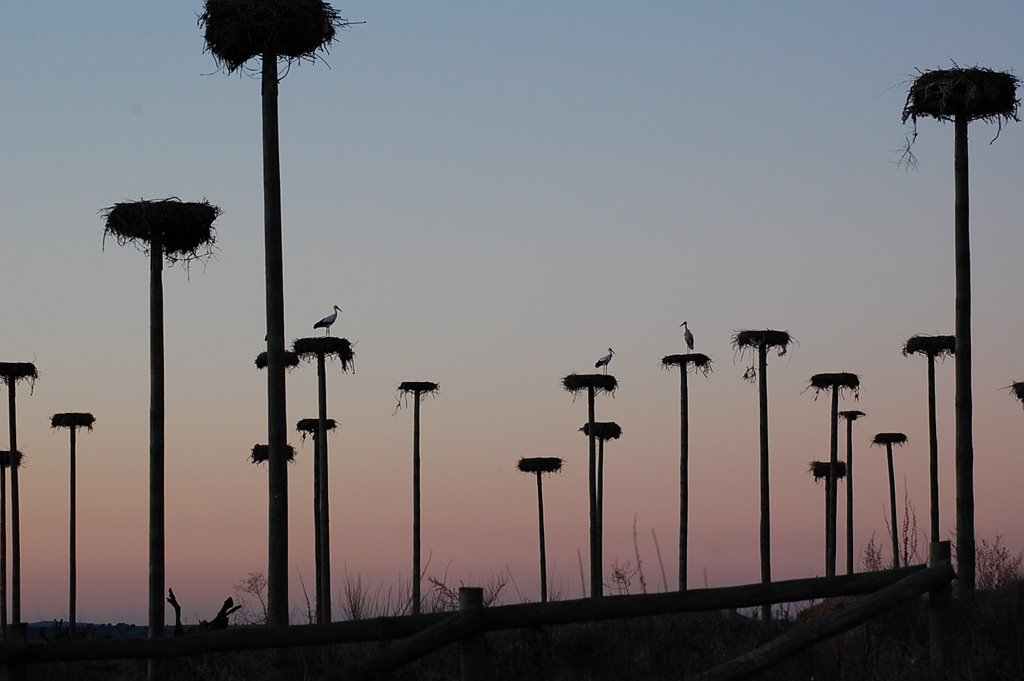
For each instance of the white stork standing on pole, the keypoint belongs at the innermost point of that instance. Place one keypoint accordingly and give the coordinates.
(687, 336)
(603, 362)
(326, 322)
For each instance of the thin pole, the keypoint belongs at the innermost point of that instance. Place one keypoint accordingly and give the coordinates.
(156, 438)
(892, 509)
(849, 496)
(833, 487)
(317, 543)
(325, 500)
(766, 541)
(596, 581)
(277, 544)
(543, 549)
(416, 565)
(72, 549)
(964, 400)
(600, 488)
(933, 452)
(684, 474)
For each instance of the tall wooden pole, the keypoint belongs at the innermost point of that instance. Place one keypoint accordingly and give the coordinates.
(964, 400)
(684, 473)
(417, 575)
(596, 581)
(72, 549)
(317, 545)
(156, 438)
(892, 508)
(3, 551)
(849, 497)
(543, 547)
(833, 488)
(277, 544)
(766, 541)
(324, 493)
(933, 452)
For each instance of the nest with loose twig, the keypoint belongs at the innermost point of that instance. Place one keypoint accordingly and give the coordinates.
(766, 338)
(882, 439)
(311, 427)
(331, 347)
(73, 420)
(540, 464)
(1017, 390)
(821, 469)
(5, 459)
(184, 229)
(419, 387)
(238, 30)
(841, 381)
(691, 361)
(291, 360)
(975, 93)
(13, 372)
(930, 346)
(851, 414)
(600, 383)
(603, 430)
(261, 453)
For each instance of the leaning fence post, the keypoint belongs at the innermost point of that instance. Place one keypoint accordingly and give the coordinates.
(473, 664)
(940, 604)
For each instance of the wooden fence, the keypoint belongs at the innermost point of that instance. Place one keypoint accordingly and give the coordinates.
(413, 636)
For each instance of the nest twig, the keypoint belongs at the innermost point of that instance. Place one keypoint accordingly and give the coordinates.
(261, 453)
(540, 464)
(73, 420)
(691, 361)
(852, 414)
(882, 439)
(821, 469)
(603, 430)
(184, 229)
(291, 360)
(842, 380)
(294, 30)
(5, 459)
(331, 347)
(417, 388)
(601, 383)
(930, 346)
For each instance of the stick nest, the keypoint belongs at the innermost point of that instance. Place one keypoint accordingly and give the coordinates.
(932, 346)
(73, 419)
(419, 387)
(821, 469)
(5, 459)
(842, 380)
(12, 372)
(184, 229)
(312, 426)
(976, 93)
(261, 453)
(331, 347)
(540, 464)
(238, 30)
(698, 361)
(601, 383)
(852, 414)
(881, 439)
(1017, 389)
(603, 430)
(291, 360)
(758, 338)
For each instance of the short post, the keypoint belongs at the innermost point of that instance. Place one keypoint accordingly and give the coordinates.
(940, 609)
(473, 664)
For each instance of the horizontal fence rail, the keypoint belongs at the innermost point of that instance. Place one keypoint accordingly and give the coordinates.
(490, 619)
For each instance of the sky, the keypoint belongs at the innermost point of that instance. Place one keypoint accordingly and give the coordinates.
(495, 194)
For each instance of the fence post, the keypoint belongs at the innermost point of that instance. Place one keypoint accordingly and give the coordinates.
(940, 605)
(473, 664)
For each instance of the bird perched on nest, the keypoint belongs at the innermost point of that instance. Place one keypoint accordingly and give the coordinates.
(603, 362)
(326, 322)
(687, 335)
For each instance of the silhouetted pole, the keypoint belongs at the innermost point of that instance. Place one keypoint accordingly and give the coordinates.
(539, 466)
(850, 416)
(312, 428)
(890, 439)
(823, 470)
(417, 389)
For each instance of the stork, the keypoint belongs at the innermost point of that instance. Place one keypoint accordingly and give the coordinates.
(326, 322)
(603, 362)
(687, 335)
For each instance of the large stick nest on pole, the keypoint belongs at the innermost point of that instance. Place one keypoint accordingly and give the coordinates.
(841, 381)
(418, 387)
(603, 430)
(73, 419)
(757, 338)
(691, 361)
(13, 372)
(852, 414)
(291, 360)
(261, 453)
(1017, 389)
(975, 93)
(540, 464)
(882, 439)
(184, 229)
(311, 427)
(601, 383)
(238, 30)
(821, 469)
(931, 346)
(5, 459)
(331, 347)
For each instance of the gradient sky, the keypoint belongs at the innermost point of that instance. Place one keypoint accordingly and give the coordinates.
(494, 194)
